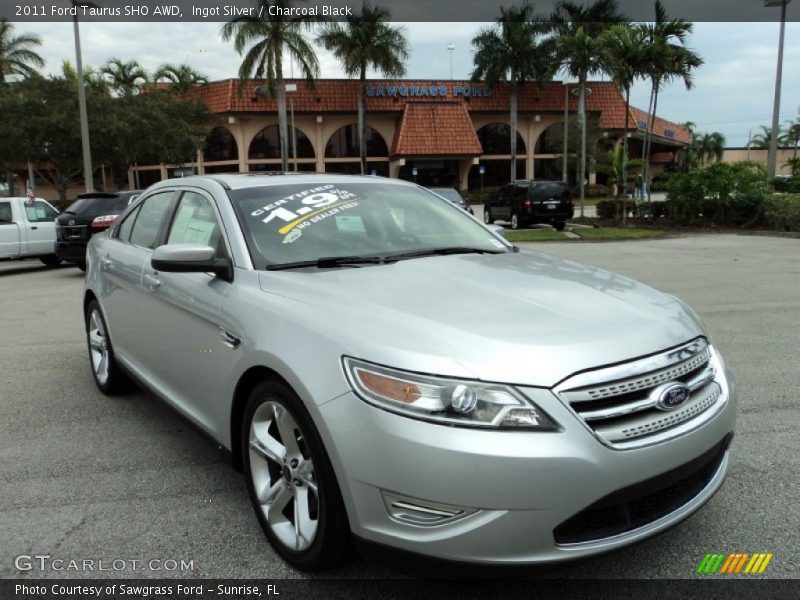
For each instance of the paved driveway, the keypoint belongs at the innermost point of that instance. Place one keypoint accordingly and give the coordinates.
(84, 476)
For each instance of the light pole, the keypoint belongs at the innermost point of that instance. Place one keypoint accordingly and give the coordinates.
(772, 160)
(565, 167)
(451, 48)
(292, 87)
(87, 151)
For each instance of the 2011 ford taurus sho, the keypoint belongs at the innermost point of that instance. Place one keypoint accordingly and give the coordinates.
(387, 369)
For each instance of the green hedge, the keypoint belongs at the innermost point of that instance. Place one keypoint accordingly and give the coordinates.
(782, 212)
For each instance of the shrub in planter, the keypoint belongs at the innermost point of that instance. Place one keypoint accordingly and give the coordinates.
(608, 209)
(782, 212)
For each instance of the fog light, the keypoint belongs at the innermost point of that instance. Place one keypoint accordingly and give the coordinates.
(462, 399)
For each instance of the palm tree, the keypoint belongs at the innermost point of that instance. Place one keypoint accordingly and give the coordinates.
(17, 54)
(263, 40)
(366, 41)
(124, 78)
(182, 78)
(577, 29)
(624, 57)
(792, 135)
(511, 50)
(708, 146)
(670, 60)
(763, 139)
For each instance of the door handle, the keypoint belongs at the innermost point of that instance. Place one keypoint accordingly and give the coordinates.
(152, 281)
(34, 227)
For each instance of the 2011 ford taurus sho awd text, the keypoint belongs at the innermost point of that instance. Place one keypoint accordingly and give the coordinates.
(387, 369)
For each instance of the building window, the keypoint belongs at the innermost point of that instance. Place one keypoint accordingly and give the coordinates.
(220, 145)
(495, 138)
(344, 143)
(380, 167)
(551, 140)
(266, 144)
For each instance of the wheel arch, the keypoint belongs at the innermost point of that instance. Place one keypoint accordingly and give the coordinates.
(247, 381)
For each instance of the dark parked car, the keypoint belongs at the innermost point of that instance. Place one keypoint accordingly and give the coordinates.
(452, 195)
(89, 214)
(525, 202)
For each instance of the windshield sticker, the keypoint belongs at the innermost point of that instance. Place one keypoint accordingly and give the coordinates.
(305, 208)
(292, 236)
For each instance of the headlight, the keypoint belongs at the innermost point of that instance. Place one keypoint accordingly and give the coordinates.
(443, 400)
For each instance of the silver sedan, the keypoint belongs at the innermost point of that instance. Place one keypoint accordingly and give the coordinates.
(387, 370)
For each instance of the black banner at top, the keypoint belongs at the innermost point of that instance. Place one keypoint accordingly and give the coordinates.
(401, 10)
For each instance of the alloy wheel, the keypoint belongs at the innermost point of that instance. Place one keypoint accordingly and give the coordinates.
(283, 476)
(98, 347)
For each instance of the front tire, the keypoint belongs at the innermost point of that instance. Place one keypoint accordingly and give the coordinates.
(291, 481)
(107, 375)
(487, 215)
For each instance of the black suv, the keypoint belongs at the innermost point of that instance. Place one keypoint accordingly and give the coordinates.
(89, 214)
(524, 202)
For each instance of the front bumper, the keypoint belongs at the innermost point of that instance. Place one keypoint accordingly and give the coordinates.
(515, 488)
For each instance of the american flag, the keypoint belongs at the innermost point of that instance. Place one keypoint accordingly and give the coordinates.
(30, 197)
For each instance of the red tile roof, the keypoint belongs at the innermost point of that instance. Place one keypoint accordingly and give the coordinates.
(341, 95)
(435, 129)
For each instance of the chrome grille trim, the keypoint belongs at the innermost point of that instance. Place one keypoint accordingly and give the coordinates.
(622, 411)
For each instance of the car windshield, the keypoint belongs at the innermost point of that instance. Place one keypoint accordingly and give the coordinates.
(449, 194)
(286, 224)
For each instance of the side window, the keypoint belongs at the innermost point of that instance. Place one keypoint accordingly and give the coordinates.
(149, 219)
(126, 225)
(5, 212)
(196, 222)
(39, 212)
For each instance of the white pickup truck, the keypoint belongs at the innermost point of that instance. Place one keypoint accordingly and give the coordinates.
(28, 230)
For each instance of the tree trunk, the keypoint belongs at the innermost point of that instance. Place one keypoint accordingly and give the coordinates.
(625, 156)
(582, 121)
(283, 129)
(513, 130)
(362, 120)
(649, 143)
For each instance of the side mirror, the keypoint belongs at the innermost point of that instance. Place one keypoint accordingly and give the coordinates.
(498, 229)
(191, 258)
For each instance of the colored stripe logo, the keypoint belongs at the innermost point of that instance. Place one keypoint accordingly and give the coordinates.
(734, 563)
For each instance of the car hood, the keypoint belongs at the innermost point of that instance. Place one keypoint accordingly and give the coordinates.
(525, 318)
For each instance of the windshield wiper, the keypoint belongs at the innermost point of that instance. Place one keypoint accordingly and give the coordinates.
(328, 262)
(443, 251)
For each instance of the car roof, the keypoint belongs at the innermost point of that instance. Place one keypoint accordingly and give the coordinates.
(235, 181)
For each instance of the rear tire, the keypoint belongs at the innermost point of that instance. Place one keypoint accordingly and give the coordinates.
(290, 480)
(559, 225)
(81, 266)
(51, 260)
(107, 375)
(487, 215)
(515, 221)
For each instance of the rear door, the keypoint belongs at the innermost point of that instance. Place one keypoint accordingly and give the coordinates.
(501, 206)
(41, 228)
(122, 258)
(9, 231)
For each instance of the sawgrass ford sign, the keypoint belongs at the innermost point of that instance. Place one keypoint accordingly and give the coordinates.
(427, 90)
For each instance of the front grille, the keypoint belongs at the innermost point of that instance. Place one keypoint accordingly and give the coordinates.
(642, 503)
(620, 404)
(70, 233)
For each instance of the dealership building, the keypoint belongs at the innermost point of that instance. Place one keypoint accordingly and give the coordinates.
(445, 133)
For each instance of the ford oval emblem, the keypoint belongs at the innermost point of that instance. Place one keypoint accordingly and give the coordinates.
(671, 395)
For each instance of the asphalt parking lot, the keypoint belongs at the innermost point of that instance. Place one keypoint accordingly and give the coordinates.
(85, 476)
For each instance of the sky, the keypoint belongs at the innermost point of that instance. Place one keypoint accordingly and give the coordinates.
(733, 91)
